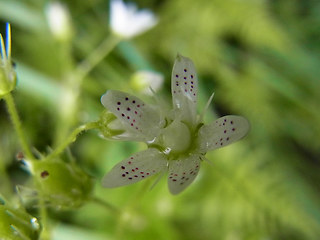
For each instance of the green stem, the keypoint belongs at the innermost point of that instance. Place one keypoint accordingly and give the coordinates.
(71, 138)
(45, 233)
(74, 81)
(17, 125)
(106, 205)
(97, 56)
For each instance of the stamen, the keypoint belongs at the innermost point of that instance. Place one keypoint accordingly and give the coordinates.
(8, 46)
(206, 108)
(2, 49)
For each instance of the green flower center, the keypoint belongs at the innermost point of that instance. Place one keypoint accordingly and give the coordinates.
(176, 137)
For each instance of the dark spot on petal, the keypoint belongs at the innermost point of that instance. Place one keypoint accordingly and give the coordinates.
(123, 167)
(126, 99)
(118, 103)
(185, 70)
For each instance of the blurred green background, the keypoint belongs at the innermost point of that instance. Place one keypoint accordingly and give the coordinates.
(262, 60)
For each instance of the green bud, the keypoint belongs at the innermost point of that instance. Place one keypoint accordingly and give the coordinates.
(61, 184)
(17, 224)
(8, 78)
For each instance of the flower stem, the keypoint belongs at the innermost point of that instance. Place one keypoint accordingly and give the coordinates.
(45, 233)
(74, 81)
(71, 138)
(97, 56)
(17, 125)
(106, 205)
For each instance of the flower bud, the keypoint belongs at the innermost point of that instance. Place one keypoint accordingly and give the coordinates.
(144, 80)
(59, 21)
(7, 74)
(17, 224)
(61, 184)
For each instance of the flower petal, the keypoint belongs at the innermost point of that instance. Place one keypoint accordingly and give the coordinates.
(182, 172)
(135, 168)
(127, 21)
(135, 115)
(222, 132)
(184, 88)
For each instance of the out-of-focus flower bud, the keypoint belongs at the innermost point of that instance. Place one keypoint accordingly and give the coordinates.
(59, 21)
(144, 80)
(17, 224)
(61, 184)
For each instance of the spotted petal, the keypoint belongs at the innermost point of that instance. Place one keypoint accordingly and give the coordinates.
(135, 168)
(222, 132)
(133, 113)
(184, 88)
(182, 172)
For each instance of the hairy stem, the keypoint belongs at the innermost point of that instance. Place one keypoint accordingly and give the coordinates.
(17, 125)
(71, 138)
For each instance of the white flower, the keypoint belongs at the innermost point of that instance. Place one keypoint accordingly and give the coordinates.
(7, 74)
(144, 81)
(59, 21)
(177, 140)
(127, 21)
